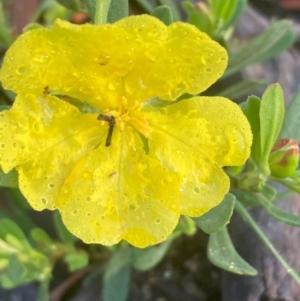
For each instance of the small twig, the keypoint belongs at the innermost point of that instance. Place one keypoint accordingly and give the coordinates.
(59, 291)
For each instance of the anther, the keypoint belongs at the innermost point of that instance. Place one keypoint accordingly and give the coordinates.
(111, 121)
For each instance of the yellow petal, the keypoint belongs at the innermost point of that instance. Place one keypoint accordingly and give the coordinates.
(49, 136)
(172, 60)
(119, 192)
(193, 139)
(137, 57)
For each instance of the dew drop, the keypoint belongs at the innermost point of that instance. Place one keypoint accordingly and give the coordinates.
(157, 221)
(44, 201)
(37, 126)
(2, 145)
(51, 185)
(132, 207)
(103, 59)
(196, 190)
(164, 181)
(21, 70)
(208, 70)
(75, 212)
(88, 198)
(88, 214)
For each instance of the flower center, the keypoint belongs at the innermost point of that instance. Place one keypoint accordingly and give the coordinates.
(126, 114)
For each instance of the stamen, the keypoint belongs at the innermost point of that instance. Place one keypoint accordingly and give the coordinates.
(111, 120)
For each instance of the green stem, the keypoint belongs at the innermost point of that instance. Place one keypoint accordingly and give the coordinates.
(244, 213)
(101, 12)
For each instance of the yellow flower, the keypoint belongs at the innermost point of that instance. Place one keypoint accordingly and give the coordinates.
(116, 164)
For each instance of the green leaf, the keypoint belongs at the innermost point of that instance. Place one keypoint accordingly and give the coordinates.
(247, 197)
(271, 116)
(4, 107)
(279, 214)
(164, 14)
(91, 7)
(145, 259)
(117, 276)
(251, 222)
(242, 88)
(43, 292)
(15, 270)
(217, 217)
(250, 198)
(75, 5)
(41, 237)
(291, 123)
(278, 37)
(118, 10)
(173, 6)
(200, 16)
(9, 179)
(76, 260)
(222, 253)
(223, 10)
(238, 12)
(13, 235)
(251, 109)
(5, 36)
(64, 234)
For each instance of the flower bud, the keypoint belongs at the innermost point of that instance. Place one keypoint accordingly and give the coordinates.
(284, 158)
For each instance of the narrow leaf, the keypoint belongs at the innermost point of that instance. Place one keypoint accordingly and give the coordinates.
(9, 179)
(64, 234)
(13, 235)
(279, 214)
(76, 260)
(291, 123)
(43, 292)
(118, 10)
(15, 270)
(91, 7)
(217, 217)
(117, 276)
(251, 222)
(271, 116)
(222, 253)
(278, 37)
(251, 109)
(164, 14)
(145, 259)
(239, 11)
(173, 6)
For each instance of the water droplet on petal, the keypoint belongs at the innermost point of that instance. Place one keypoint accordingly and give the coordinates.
(103, 59)
(157, 221)
(132, 207)
(21, 70)
(44, 201)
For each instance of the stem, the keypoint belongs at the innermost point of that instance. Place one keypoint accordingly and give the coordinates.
(102, 7)
(244, 213)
